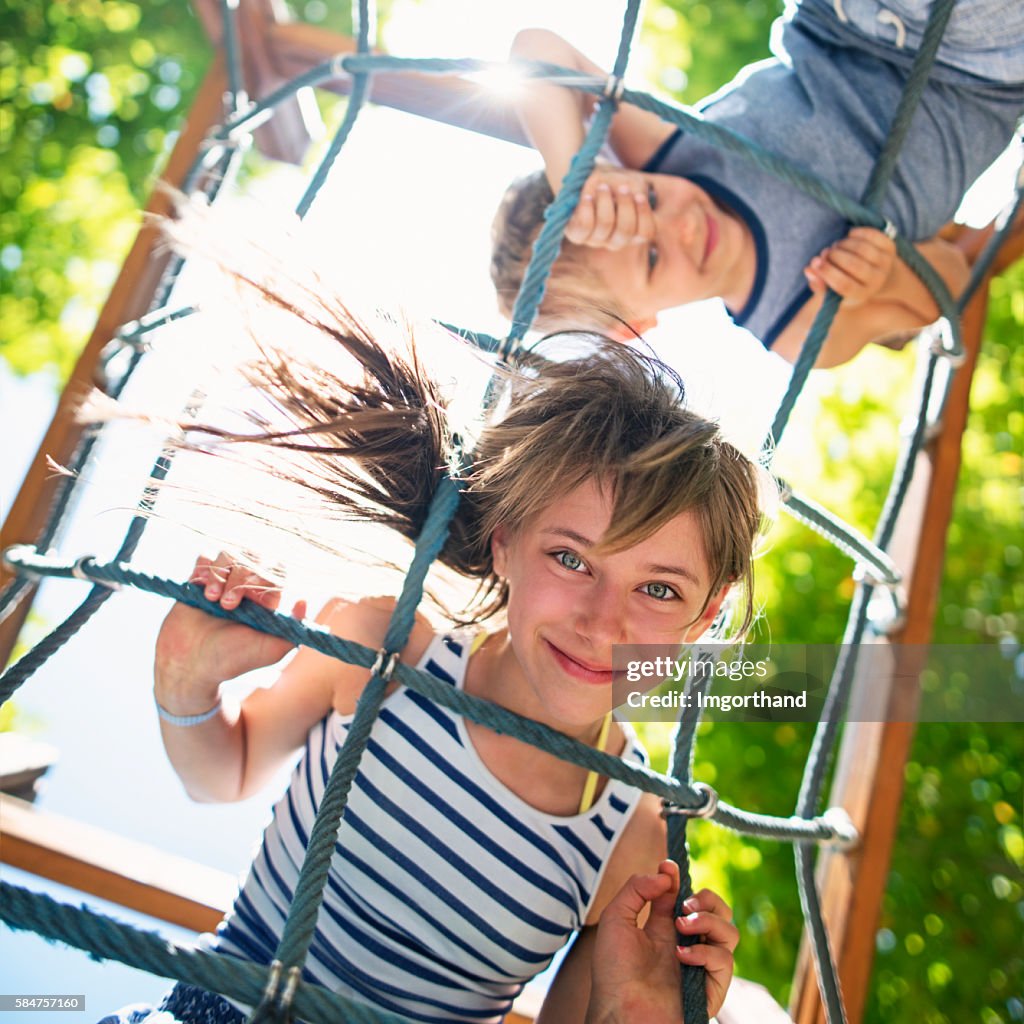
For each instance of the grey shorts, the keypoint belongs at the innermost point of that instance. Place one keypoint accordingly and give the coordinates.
(984, 38)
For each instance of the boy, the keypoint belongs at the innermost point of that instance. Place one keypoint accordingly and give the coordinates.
(682, 220)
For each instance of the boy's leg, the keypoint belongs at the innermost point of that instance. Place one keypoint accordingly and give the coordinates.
(984, 39)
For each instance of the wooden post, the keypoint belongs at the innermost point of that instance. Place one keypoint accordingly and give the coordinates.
(869, 772)
(287, 135)
(130, 298)
(121, 870)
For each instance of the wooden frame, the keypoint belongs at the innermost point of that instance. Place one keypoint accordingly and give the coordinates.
(103, 864)
(130, 298)
(852, 884)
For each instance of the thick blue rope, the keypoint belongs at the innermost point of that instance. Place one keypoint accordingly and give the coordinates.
(365, 22)
(559, 213)
(476, 709)
(301, 923)
(106, 938)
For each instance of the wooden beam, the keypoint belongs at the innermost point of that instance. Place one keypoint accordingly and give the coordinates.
(296, 122)
(277, 50)
(106, 865)
(449, 99)
(130, 298)
(23, 761)
(869, 773)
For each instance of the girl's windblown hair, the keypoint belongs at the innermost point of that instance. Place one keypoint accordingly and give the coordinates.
(370, 435)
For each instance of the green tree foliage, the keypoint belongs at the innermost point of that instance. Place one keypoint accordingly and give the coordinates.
(92, 92)
(698, 46)
(92, 95)
(950, 945)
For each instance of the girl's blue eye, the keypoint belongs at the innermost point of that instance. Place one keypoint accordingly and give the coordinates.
(660, 591)
(568, 560)
(652, 259)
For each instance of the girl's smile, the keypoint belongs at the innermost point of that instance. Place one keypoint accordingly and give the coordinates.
(597, 675)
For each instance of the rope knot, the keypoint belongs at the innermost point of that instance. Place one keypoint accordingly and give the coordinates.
(384, 665)
(939, 341)
(704, 810)
(80, 571)
(614, 87)
(274, 1008)
(338, 69)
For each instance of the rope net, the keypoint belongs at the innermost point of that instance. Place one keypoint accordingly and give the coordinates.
(278, 993)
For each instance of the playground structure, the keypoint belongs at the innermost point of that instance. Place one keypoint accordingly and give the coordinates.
(851, 882)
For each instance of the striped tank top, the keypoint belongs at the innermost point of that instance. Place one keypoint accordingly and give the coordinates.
(447, 892)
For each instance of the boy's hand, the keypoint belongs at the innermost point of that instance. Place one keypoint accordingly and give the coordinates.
(857, 267)
(614, 210)
(196, 652)
(636, 970)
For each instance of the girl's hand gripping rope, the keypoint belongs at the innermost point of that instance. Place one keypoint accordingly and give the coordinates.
(196, 652)
(636, 972)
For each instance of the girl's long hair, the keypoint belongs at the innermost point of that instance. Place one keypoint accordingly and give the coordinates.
(363, 427)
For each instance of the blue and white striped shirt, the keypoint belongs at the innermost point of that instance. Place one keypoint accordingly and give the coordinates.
(447, 892)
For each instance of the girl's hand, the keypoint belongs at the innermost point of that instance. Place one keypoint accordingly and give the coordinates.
(857, 267)
(635, 969)
(707, 914)
(614, 210)
(196, 652)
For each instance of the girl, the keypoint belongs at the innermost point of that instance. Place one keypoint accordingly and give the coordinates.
(597, 511)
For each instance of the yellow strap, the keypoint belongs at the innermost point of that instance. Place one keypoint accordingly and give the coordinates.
(590, 786)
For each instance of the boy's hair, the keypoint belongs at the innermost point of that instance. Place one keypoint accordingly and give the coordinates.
(575, 297)
(367, 432)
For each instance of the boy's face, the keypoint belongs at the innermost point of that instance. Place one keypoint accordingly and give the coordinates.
(700, 250)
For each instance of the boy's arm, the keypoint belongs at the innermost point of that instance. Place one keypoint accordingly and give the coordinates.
(554, 116)
(882, 297)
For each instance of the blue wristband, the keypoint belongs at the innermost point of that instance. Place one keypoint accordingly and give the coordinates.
(185, 721)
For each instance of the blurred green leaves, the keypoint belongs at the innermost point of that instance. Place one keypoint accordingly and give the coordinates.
(91, 93)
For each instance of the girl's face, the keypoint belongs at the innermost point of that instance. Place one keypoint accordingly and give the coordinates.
(570, 604)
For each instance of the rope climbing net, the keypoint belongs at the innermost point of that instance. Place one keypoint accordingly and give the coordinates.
(277, 992)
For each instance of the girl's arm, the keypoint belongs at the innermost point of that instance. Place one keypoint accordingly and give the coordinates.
(638, 850)
(626, 970)
(231, 756)
(195, 653)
